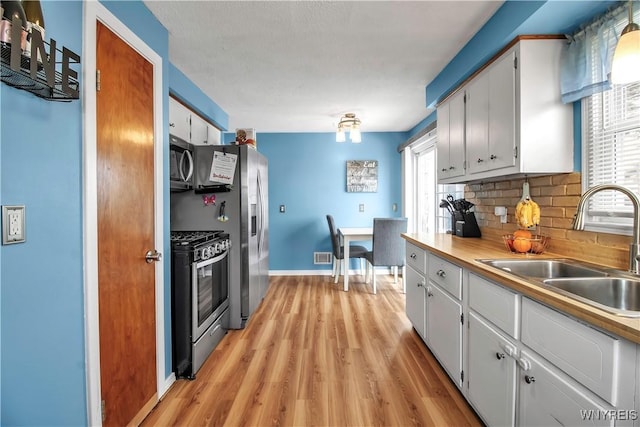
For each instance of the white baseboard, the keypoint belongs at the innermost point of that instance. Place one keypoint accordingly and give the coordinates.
(299, 272)
(384, 270)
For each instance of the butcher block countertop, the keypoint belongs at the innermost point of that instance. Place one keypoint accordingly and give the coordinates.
(465, 251)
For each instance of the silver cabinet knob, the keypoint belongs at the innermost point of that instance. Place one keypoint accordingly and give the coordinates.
(500, 356)
(529, 379)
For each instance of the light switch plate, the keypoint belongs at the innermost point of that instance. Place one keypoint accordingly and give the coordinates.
(13, 221)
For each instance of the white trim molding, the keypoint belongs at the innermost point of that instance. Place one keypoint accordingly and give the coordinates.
(93, 12)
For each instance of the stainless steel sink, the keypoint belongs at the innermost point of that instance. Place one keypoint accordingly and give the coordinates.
(622, 294)
(615, 291)
(544, 268)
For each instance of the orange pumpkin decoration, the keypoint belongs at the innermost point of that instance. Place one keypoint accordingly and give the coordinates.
(521, 244)
(522, 233)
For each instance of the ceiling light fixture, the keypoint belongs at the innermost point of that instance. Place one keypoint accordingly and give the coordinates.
(349, 122)
(626, 59)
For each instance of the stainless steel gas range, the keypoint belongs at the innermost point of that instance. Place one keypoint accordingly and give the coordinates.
(200, 297)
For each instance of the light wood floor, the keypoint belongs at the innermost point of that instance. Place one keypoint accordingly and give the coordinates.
(313, 354)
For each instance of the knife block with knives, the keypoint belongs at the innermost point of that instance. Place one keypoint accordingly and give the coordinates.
(463, 221)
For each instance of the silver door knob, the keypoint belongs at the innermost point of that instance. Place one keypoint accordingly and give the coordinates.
(152, 256)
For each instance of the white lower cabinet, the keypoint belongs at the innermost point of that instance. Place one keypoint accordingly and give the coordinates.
(549, 398)
(444, 330)
(525, 364)
(415, 303)
(491, 373)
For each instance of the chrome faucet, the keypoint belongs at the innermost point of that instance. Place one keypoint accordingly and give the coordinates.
(634, 248)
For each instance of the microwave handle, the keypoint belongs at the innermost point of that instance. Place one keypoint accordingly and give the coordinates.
(186, 154)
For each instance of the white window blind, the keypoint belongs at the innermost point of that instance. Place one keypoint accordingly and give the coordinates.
(611, 151)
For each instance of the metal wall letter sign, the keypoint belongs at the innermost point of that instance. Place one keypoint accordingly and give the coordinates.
(42, 65)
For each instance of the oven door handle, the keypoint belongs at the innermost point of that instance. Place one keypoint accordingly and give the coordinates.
(210, 261)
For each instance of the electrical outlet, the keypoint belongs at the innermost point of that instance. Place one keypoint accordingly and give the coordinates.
(361, 207)
(13, 224)
(282, 209)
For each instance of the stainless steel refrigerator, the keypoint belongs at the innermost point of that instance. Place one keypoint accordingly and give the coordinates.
(241, 209)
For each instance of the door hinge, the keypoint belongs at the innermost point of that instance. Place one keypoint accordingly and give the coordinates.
(515, 152)
(462, 376)
(103, 411)
(515, 62)
(462, 318)
(98, 80)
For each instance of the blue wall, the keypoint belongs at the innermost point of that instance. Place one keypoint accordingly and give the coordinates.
(307, 174)
(42, 367)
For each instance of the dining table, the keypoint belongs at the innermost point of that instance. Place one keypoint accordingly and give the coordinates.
(348, 235)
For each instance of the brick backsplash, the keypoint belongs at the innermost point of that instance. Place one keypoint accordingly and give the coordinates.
(557, 196)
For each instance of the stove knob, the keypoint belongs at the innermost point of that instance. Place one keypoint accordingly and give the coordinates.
(217, 248)
(206, 253)
(227, 243)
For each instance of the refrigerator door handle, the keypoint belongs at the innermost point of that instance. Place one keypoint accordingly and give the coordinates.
(262, 213)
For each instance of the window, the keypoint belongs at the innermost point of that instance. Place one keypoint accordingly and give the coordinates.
(611, 152)
(611, 143)
(422, 193)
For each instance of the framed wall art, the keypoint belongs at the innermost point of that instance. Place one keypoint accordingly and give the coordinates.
(362, 176)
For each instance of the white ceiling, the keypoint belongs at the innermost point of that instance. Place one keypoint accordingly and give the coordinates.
(298, 66)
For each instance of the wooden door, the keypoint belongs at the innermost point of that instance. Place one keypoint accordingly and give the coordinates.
(125, 188)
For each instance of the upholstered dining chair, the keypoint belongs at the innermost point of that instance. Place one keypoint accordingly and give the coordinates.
(388, 248)
(355, 251)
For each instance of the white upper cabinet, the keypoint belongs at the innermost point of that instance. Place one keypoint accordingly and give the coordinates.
(477, 123)
(190, 127)
(179, 120)
(198, 130)
(451, 128)
(214, 135)
(513, 119)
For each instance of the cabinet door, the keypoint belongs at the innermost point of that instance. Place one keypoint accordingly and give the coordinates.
(456, 135)
(198, 130)
(442, 146)
(502, 113)
(477, 123)
(179, 120)
(549, 398)
(492, 373)
(415, 302)
(444, 330)
(214, 136)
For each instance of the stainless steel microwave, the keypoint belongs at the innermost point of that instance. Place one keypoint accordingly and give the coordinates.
(181, 164)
